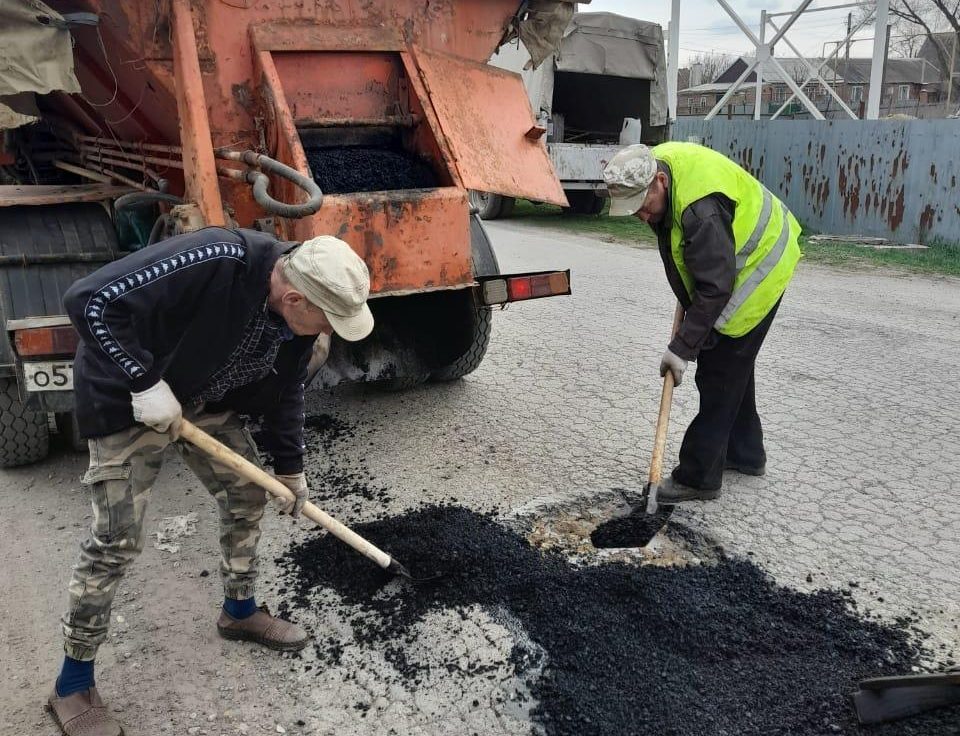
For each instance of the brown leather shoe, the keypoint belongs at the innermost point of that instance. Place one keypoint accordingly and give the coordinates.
(264, 629)
(83, 714)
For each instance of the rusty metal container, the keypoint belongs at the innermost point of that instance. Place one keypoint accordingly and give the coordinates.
(185, 99)
(266, 75)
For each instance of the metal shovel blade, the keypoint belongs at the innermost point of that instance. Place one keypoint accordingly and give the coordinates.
(399, 570)
(883, 699)
(638, 526)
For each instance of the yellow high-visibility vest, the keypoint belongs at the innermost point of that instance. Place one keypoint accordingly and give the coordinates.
(764, 230)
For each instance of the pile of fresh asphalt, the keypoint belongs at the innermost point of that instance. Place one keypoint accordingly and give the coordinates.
(701, 650)
(367, 169)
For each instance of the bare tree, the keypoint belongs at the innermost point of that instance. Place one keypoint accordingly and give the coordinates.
(918, 20)
(712, 65)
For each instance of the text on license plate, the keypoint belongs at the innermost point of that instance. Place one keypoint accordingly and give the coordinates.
(48, 376)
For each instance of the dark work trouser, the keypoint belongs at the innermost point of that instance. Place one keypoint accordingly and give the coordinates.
(727, 427)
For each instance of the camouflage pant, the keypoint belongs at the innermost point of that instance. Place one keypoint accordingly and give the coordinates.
(123, 468)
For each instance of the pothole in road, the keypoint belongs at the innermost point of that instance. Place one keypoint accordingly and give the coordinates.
(565, 527)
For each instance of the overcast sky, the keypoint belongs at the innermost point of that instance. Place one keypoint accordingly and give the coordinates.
(705, 26)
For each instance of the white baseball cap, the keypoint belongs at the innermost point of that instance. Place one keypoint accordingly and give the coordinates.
(333, 277)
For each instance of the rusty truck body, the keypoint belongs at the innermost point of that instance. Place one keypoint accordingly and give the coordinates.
(366, 119)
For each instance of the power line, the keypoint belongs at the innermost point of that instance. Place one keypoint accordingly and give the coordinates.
(801, 22)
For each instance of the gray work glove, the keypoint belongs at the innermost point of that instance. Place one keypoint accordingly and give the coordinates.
(673, 363)
(158, 408)
(297, 483)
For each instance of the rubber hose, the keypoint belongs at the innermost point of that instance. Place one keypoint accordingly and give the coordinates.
(134, 198)
(261, 183)
(158, 227)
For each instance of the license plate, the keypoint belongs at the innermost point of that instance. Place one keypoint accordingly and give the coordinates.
(48, 376)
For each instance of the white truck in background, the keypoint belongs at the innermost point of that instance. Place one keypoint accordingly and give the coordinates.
(606, 87)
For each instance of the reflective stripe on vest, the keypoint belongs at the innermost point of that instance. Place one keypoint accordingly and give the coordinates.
(763, 268)
(754, 240)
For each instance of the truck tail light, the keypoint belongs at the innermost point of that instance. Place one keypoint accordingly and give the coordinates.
(60, 340)
(521, 287)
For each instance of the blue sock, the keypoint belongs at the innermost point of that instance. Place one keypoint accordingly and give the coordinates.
(240, 609)
(75, 677)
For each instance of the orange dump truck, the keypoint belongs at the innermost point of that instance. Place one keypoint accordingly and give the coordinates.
(127, 122)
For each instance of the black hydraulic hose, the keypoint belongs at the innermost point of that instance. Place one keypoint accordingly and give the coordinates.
(261, 183)
(135, 198)
(159, 227)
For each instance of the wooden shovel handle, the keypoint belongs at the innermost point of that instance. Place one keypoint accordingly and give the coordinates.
(663, 418)
(220, 453)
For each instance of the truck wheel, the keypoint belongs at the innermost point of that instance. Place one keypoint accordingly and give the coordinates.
(477, 322)
(441, 335)
(583, 202)
(24, 435)
(491, 206)
(479, 326)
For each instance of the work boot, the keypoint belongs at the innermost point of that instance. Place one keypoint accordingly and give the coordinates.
(672, 491)
(264, 629)
(745, 469)
(83, 714)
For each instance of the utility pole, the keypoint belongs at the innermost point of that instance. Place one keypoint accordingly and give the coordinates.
(953, 65)
(846, 56)
(883, 76)
(673, 59)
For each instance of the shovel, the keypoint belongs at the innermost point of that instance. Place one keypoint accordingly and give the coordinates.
(646, 516)
(220, 453)
(884, 699)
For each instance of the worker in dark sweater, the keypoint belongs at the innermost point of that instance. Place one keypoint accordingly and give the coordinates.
(729, 248)
(215, 326)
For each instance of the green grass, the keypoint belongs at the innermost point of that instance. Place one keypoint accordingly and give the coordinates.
(940, 258)
(619, 229)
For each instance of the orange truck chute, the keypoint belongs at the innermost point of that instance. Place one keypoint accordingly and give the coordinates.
(485, 116)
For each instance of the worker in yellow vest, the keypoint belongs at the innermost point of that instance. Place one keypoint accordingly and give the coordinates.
(729, 248)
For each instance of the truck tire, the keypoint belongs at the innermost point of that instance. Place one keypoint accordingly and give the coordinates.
(480, 328)
(438, 335)
(24, 434)
(491, 206)
(583, 202)
(479, 320)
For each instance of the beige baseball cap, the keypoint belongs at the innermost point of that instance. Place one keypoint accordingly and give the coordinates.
(331, 276)
(628, 176)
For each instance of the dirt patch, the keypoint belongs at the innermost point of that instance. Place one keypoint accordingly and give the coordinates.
(701, 649)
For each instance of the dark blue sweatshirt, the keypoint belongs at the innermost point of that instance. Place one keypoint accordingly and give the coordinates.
(177, 310)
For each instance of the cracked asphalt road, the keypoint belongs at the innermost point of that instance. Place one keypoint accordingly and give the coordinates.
(858, 388)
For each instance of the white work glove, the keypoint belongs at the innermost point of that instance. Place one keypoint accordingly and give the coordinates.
(673, 363)
(297, 483)
(158, 408)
